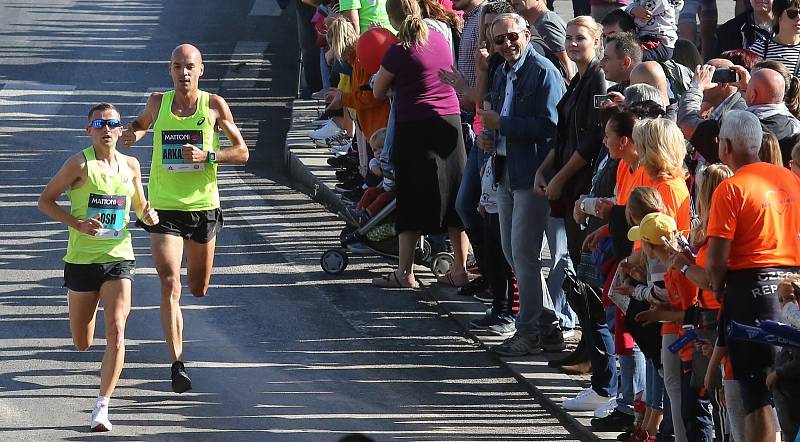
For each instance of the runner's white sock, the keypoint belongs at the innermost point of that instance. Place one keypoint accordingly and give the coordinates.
(100, 420)
(102, 400)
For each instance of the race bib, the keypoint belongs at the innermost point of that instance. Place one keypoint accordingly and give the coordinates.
(171, 147)
(111, 209)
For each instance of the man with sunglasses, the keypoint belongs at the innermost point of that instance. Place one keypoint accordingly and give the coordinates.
(101, 185)
(183, 187)
(524, 94)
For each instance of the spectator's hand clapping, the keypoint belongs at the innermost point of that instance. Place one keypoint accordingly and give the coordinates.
(603, 208)
(744, 77)
(593, 239)
(702, 77)
(655, 314)
(454, 78)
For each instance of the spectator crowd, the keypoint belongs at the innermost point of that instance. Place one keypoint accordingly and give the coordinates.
(656, 153)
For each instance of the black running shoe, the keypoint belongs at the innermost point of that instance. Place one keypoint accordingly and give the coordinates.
(180, 380)
(477, 285)
(616, 421)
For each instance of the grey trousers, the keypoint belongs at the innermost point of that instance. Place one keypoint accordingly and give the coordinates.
(524, 217)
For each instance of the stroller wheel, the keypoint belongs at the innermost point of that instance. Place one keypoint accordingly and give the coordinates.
(441, 264)
(333, 262)
(423, 252)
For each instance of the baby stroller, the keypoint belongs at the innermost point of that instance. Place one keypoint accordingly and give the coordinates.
(378, 236)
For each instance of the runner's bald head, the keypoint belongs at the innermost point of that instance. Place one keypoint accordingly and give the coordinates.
(186, 51)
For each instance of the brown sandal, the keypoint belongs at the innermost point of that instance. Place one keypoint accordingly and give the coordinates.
(392, 281)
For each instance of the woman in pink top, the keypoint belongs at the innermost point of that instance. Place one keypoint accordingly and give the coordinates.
(428, 146)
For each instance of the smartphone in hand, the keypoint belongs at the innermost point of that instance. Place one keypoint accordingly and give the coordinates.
(598, 99)
(724, 76)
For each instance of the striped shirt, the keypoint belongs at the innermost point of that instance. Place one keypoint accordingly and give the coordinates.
(789, 55)
(470, 37)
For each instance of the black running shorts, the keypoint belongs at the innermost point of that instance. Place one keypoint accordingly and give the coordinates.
(89, 277)
(752, 294)
(199, 226)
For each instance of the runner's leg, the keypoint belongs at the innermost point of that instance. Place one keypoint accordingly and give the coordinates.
(116, 297)
(167, 255)
(200, 262)
(82, 313)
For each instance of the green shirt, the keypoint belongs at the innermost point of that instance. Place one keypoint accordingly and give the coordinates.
(175, 185)
(109, 196)
(368, 11)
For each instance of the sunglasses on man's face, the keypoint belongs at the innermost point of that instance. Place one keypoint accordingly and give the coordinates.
(511, 37)
(112, 123)
(792, 13)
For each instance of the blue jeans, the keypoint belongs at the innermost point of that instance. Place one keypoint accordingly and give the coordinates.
(523, 218)
(469, 193)
(666, 433)
(604, 364)
(632, 372)
(695, 408)
(559, 253)
(654, 388)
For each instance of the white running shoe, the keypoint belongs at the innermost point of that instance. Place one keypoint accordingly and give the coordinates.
(605, 410)
(100, 420)
(586, 400)
(329, 130)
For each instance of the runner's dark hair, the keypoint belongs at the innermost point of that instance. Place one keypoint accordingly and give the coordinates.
(101, 107)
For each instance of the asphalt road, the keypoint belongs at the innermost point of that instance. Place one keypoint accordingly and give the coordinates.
(277, 350)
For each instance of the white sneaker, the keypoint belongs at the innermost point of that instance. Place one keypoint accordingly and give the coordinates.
(606, 409)
(329, 130)
(100, 420)
(586, 400)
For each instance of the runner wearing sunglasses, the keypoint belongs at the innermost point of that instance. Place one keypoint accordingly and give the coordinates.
(183, 187)
(101, 185)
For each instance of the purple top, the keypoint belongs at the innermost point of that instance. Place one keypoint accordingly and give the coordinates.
(418, 91)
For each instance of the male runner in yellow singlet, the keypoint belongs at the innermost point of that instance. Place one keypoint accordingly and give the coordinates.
(101, 184)
(183, 187)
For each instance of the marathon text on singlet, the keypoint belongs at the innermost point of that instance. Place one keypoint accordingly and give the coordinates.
(111, 211)
(172, 142)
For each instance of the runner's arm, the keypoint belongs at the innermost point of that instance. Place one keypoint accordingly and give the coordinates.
(72, 173)
(137, 128)
(141, 206)
(237, 153)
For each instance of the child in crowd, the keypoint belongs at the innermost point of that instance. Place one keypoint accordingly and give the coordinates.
(659, 235)
(500, 318)
(656, 26)
(637, 297)
(375, 198)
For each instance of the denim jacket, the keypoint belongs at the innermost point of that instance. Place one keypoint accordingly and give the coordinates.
(531, 124)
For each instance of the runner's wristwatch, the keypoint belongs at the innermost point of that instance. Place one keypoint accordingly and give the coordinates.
(211, 158)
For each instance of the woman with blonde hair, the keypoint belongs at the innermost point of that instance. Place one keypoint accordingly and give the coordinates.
(567, 171)
(770, 151)
(427, 146)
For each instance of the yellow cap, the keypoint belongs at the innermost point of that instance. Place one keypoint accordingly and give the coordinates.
(652, 228)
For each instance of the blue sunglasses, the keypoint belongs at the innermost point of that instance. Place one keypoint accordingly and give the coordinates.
(112, 123)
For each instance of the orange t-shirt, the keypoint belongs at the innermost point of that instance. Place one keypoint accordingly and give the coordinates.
(758, 209)
(707, 299)
(728, 367)
(675, 195)
(628, 180)
(682, 295)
